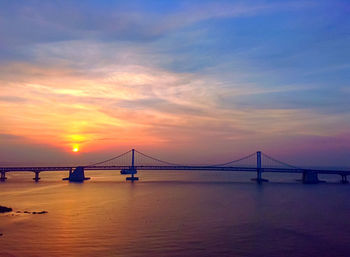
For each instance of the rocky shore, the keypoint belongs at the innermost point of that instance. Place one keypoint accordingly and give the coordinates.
(4, 209)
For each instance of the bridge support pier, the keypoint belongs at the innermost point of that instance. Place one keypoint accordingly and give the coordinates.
(36, 178)
(132, 178)
(310, 177)
(259, 178)
(3, 176)
(78, 175)
(344, 179)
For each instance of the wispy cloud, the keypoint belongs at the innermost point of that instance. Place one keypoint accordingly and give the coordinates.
(219, 76)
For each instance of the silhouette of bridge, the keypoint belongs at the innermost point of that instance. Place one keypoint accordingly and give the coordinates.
(131, 161)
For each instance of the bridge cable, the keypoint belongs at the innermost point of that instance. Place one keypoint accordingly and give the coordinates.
(116, 157)
(280, 162)
(158, 160)
(241, 159)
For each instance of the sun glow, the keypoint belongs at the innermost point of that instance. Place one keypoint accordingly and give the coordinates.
(75, 149)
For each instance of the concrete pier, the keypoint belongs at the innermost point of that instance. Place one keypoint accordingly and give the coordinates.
(310, 177)
(36, 178)
(344, 179)
(131, 171)
(3, 176)
(260, 180)
(77, 175)
(132, 178)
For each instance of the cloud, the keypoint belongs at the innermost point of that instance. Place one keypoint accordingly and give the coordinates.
(321, 99)
(210, 76)
(127, 90)
(10, 137)
(29, 22)
(12, 99)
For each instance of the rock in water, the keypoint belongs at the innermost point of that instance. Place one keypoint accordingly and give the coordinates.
(39, 212)
(5, 209)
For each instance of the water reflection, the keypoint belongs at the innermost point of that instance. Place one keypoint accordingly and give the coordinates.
(174, 214)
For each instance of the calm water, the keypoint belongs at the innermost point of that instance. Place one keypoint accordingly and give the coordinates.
(174, 214)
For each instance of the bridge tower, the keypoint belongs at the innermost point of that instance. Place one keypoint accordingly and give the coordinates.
(258, 165)
(259, 178)
(132, 170)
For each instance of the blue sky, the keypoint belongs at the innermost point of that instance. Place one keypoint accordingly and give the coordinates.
(172, 75)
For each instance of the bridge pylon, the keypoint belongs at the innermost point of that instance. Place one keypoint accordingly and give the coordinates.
(132, 171)
(259, 170)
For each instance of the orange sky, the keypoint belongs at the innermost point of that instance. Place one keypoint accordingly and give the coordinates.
(121, 107)
(185, 84)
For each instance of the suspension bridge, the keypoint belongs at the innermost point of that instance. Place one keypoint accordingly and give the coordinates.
(131, 161)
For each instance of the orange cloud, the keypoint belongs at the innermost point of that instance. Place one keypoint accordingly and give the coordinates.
(139, 106)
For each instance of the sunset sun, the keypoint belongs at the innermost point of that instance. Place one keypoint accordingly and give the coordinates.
(75, 149)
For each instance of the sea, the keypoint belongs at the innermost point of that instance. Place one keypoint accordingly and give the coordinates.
(174, 213)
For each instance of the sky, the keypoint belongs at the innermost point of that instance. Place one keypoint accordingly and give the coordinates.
(182, 80)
